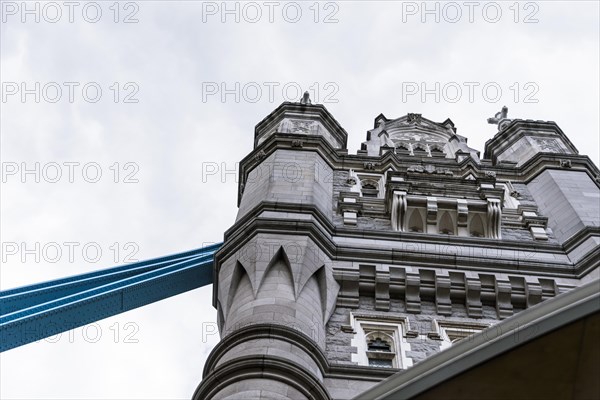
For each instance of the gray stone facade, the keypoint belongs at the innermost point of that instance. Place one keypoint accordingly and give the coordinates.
(342, 269)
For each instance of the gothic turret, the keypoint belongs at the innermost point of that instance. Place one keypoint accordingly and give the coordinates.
(343, 269)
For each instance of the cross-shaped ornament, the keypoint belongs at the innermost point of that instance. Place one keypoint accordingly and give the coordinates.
(500, 119)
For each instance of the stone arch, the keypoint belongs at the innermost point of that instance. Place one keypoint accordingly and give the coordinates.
(403, 148)
(476, 226)
(437, 150)
(239, 272)
(241, 297)
(369, 187)
(415, 221)
(446, 225)
(370, 183)
(279, 265)
(419, 147)
(384, 337)
(320, 277)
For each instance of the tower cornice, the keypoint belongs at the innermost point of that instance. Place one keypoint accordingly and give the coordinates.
(403, 247)
(516, 130)
(289, 113)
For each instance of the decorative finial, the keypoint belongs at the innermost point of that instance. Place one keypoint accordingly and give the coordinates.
(305, 99)
(413, 118)
(500, 119)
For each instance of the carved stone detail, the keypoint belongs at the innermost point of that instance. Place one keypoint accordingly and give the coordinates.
(548, 145)
(494, 215)
(445, 289)
(369, 166)
(473, 295)
(399, 207)
(302, 258)
(349, 207)
(504, 306)
(413, 295)
(500, 119)
(348, 295)
(536, 224)
(350, 218)
(533, 292)
(432, 210)
(301, 126)
(305, 99)
(416, 168)
(565, 163)
(442, 295)
(462, 210)
(382, 289)
(413, 118)
(260, 155)
(430, 169)
(538, 233)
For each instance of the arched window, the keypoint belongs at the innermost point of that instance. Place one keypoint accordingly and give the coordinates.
(446, 226)
(380, 341)
(476, 227)
(437, 151)
(380, 349)
(419, 150)
(403, 149)
(415, 222)
(370, 188)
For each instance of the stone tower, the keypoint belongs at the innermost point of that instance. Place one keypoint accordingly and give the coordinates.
(342, 270)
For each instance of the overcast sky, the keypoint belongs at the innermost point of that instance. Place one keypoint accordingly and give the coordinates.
(163, 130)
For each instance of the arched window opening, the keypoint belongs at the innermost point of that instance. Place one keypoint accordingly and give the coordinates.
(419, 150)
(437, 151)
(370, 188)
(380, 349)
(378, 344)
(415, 222)
(476, 228)
(446, 226)
(403, 149)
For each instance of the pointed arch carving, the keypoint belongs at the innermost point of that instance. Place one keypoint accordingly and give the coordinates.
(446, 225)
(322, 281)
(419, 148)
(279, 258)
(415, 221)
(239, 272)
(403, 148)
(299, 258)
(476, 227)
(437, 150)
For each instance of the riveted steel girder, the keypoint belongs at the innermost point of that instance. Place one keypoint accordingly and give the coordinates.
(37, 311)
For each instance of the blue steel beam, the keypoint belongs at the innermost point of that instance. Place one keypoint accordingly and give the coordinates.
(38, 311)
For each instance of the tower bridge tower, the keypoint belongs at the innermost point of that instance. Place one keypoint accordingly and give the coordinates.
(343, 269)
